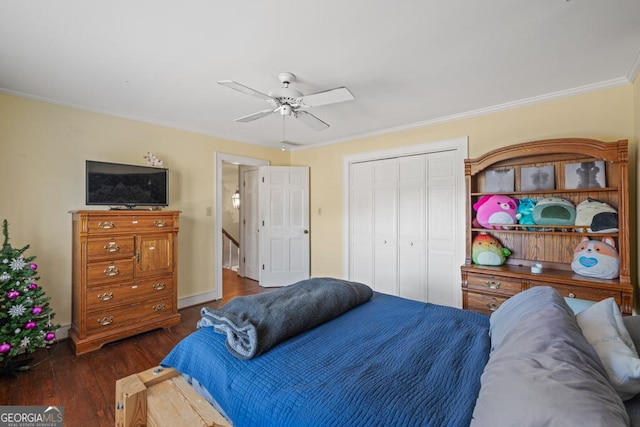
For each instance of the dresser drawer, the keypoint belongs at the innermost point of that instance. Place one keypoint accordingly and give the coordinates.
(108, 224)
(103, 297)
(129, 315)
(494, 284)
(122, 246)
(591, 294)
(111, 271)
(485, 304)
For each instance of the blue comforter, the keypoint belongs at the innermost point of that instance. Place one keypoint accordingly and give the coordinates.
(389, 361)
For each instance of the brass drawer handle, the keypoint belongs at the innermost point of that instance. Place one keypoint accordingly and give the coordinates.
(159, 286)
(105, 321)
(112, 271)
(105, 296)
(492, 306)
(112, 247)
(160, 223)
(159, 307)
(107, 225)
(572, 295)
(492, 284)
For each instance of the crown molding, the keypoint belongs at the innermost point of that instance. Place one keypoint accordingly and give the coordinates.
(621, 81)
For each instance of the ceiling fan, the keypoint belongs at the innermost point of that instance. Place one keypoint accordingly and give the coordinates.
(291, 102)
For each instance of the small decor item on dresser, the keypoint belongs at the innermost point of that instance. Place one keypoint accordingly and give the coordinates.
(487, 250)
(554, 211)
(153, 160)
(525, 211)
(596, 216)
(25, 314)
(595, 258)
(495, 210)
(585, 175)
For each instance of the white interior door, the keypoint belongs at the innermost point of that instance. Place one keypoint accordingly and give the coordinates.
(283, 224)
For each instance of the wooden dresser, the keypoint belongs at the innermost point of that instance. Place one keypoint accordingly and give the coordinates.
(484, 288)
(124, 275)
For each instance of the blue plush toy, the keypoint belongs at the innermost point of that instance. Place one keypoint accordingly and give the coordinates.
(525, 211)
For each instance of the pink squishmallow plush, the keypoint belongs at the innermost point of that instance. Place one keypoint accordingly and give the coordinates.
(594, 258)
(494, 210)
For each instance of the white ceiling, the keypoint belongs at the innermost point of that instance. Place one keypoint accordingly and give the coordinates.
(408, 62)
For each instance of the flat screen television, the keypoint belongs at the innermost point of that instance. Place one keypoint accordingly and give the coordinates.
(115, 185)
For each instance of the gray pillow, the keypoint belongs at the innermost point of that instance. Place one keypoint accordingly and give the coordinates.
(518, 308)
(542, 371)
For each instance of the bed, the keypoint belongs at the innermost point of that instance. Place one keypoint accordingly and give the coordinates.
(393, 361)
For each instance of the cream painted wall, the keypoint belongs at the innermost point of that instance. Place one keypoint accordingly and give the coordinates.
(44, 146)
(604, 115)
(43, 150)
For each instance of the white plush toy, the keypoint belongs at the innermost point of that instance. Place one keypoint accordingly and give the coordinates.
(595, 258)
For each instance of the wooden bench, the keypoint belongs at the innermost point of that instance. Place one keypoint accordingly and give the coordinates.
(161, 397)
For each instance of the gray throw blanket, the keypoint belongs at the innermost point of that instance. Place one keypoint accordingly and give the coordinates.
(255, 323)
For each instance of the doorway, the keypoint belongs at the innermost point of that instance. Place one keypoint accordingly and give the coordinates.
(220, 202)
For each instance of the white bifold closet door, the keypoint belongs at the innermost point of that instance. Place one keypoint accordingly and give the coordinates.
(402, 239)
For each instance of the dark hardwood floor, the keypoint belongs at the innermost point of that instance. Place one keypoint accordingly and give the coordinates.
(85, 385)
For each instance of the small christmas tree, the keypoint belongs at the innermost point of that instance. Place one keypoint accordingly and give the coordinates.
(25, 315)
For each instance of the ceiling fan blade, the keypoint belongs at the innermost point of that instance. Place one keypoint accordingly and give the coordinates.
(331, 96)
(244, 89)
(310, 120)
(254, 116)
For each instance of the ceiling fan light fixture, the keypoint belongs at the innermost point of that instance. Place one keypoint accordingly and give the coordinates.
(291, 102)
(286, 110)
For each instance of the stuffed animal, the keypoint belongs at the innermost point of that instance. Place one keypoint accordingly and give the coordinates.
(487, 250)
(594, 258)
(525, 211)
(554, 211)
(494, 210)
(597, 216)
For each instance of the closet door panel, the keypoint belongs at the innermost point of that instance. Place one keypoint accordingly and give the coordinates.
(442, 275)
(411, 228)
(385, 228)
(361, 223)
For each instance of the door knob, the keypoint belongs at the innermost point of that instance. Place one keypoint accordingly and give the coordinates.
(306, 231)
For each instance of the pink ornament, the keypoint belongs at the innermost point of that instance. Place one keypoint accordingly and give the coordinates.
(13, 294)
(30, 325)
(33, 266)
(33, 286)
(4, 347)
(49, 336)
(36, 310)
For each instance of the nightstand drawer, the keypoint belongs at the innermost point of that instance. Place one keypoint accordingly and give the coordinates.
(591, 294)
(104, 297)
(485, 304)
(110, 247)
(109, 271)
(494, 284)
(128, 315)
